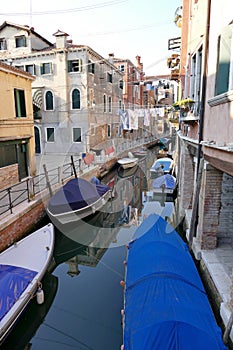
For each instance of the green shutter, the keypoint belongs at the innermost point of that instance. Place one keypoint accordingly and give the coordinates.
(224, 60)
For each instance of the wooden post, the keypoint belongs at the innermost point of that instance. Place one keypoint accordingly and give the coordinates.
(73, 166)
(47, 180)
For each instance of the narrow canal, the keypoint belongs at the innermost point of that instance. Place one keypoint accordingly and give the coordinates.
(83, 296)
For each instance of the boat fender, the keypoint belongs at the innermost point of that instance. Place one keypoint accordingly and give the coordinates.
(40, 296)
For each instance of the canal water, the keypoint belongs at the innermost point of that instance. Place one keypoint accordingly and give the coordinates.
(83, 295)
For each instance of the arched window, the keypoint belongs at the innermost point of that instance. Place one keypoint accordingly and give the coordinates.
(49, 101)
(75, 98)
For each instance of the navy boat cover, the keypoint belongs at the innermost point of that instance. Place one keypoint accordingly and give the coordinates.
(13, 281)
(166, 306)
(76, 194)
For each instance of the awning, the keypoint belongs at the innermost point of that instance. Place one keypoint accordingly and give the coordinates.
(37, 99)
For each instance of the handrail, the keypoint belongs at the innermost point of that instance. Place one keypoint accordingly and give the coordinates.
(27, 189)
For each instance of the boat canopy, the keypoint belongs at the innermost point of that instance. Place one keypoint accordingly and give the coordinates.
(166, 306)
(166, 180)
(14, 280)
(76, 194)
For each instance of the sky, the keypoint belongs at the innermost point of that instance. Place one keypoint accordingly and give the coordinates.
(126, 28)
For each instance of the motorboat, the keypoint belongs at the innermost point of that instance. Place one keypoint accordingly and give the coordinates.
(128, 162)
(165, 303)
(22, 267)
(77, 199)
(165, 184)
(161, 166)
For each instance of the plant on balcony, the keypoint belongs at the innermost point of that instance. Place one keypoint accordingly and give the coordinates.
(184, 105)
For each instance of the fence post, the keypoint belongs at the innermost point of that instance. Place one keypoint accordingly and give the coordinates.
(10, 203)
(30, 188)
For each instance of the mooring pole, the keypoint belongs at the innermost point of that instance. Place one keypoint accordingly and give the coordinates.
(47, 180)
(73, 166)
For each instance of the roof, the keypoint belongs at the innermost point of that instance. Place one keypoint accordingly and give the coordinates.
(26, 28)
(19, 72)
(166, 306)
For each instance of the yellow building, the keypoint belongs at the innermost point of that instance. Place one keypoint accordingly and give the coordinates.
(17, 144)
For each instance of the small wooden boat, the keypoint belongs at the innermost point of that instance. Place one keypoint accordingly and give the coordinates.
(128, 162)
(77, 199)
(165, 184)
(165, 303)
(22, 267)
(161, 166)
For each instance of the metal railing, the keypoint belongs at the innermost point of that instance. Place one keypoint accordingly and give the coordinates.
(26, 190)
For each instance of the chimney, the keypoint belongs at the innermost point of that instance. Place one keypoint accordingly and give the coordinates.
(111, 58)
(139, 65)
(61, 39)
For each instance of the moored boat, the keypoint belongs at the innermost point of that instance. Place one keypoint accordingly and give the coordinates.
(166, 306)
(161, 166)
(77, 199)
(165, 184)
(22, 267)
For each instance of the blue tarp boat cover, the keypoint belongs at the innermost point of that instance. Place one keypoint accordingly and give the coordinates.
(13, 281)
(166, 307)
(76, 194)
(166, 180)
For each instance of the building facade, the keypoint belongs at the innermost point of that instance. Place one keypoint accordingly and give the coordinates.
(76, 92)
(205, 137)
(17, 146)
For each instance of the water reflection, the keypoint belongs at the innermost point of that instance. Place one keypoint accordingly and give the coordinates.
(82, 311)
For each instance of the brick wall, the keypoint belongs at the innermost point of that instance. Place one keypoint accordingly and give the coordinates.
(22, 225)
(209, 207)
(9, 176)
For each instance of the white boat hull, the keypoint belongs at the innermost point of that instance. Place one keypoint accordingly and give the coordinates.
(127, 163)
(76, 215)
(34, 252)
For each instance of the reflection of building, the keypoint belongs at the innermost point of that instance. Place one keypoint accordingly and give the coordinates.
(76, 92)
(17, 155)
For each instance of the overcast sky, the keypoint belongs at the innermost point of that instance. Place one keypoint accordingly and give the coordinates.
(126, 28)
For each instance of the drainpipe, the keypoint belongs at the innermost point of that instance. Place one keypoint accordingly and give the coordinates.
(194, 218)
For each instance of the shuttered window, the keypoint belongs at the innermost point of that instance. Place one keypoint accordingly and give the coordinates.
(224, 60)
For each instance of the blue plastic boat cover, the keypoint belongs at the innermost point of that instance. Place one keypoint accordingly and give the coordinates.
(76, 194)
(166, 180)
(166, 162)
(166, 307)
(13, 281)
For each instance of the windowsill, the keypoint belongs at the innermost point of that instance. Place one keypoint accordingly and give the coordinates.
(221, 99)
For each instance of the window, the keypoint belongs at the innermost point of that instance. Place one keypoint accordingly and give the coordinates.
(20, 41)
(3, 44)
(77, 136)
(20, 67)
(109, 130)
(105, 104)
(75, 66)
(109, 77)
(120, 104)
(46, 68)
(49, 101)
(50, 135)
(110, 104)
(30, 68)
(224, 60)
(121, 84)
(20, 106)
(75, 98)
(91, 67)
(121, 67)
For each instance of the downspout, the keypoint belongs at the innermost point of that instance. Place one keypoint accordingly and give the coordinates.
(200, 161)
